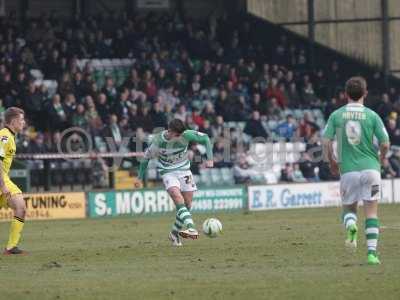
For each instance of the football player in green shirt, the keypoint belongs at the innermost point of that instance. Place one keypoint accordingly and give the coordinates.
(170, 148)
(355, 126)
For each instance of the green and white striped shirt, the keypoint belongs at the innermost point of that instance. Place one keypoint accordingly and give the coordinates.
(172, 154)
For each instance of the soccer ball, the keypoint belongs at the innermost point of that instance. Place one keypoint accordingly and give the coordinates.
(212, 227)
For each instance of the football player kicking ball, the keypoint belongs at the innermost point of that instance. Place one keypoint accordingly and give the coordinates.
(10, 194)
(170, 148)
(355, 127)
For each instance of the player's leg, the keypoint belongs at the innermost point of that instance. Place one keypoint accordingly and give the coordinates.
(17, 203)
(350, 224)
(188, 197)
(372, 230)
(188, 187)
(172, 185)
(371, 193)
(183, 215)
(178, 223)
(182, 219)
(350, 192)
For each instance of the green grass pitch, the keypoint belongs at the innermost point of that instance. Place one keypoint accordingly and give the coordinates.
(289, 254)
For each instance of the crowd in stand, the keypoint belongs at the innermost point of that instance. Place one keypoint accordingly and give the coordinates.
(206, 73)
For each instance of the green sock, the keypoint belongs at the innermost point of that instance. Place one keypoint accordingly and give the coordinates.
(372, 234)
(178, 225)
(349, 219)
(183, 214)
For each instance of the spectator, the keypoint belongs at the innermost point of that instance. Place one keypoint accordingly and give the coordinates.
(384, 107)
(241, 171)
(150, 87)
(273, 110)
(293, 95)
(169, 96)
(6, 90)
(196, 85)
(110, 91)
(393, 131)
(254, 127)
(287, 173)
(259, 105)
(218, 127)
(19, 87)
(209, 112)
(103, 107)
(223, 105)
(206, 128)
(297, 175)
(120, 45)
(220, 159)
(113, 131)
(66, 86)
(133, 81)
(169, 115)
(307, 127)
(78, 86)
(133, 117)
(273, 91)
(197, 118)
(287, 129)
(2, 110)
(158, 117)
(79, 117)
(91, 114)
(181, 114)
(37, 145)
(125, 128)
(93, 90)
(34, 102)
(121, 107)
(69, 106)
(394, 160)
(138, 143)
(57, 115)
(307, 167)
(52, 67)
(145, 120)
(190, 123)
(309, 98)
(324, 172)
(330, 108)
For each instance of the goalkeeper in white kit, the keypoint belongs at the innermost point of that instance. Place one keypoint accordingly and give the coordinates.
(170, 148)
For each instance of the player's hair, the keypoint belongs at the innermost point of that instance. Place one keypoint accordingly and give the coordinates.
(177, 126)
(11, 113)
(356, 87)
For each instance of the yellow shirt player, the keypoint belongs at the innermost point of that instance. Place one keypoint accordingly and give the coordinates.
(10, 194)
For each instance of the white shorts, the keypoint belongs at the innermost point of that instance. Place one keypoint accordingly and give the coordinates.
(181, 179)
(360, 186)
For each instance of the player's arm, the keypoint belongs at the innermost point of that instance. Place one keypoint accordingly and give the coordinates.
(142, 168)
(3, 188)
(384, 149)
(150, 153)
(327, 145)
(383, 137)
(203, 139)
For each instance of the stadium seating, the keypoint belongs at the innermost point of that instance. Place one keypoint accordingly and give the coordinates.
(241, 75)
